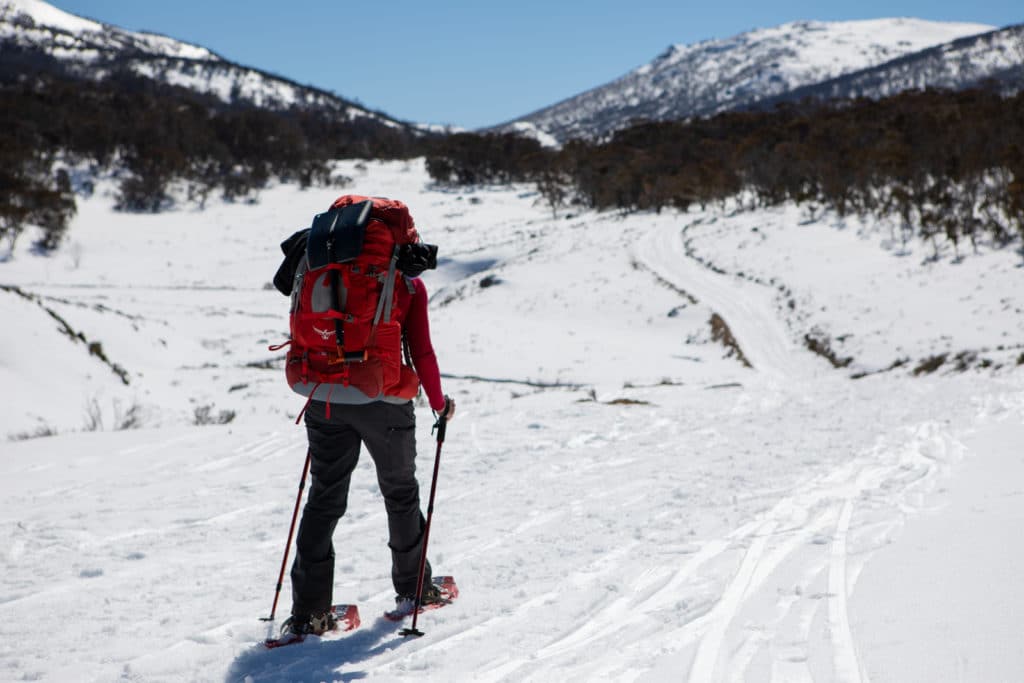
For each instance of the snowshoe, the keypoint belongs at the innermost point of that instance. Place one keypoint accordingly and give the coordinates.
(296, 629)
(441, 591)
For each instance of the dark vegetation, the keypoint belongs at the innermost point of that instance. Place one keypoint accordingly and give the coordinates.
(151, 135)
(945, 164)
(721, 333)
(819, 343)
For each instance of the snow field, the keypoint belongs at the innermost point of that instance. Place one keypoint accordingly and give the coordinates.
(618, 500)
(878, 299)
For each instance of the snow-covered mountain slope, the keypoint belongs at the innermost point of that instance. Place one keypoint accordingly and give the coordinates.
(967, 62)
(35, 31)
(715, 75)
(72, 37)
(619, 498)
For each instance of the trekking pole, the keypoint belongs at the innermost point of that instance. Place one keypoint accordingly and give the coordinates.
(442, 422)
(288, 546)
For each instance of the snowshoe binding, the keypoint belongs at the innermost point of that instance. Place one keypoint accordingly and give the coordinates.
(441, 591)
(296, 628)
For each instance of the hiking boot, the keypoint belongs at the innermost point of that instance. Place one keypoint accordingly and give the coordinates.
(431, 596)
(312, 625)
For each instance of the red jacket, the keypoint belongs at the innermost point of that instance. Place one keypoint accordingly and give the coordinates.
(417, 332)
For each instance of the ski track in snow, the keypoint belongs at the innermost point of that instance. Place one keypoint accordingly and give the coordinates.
(745, 306)
(787, 530)
(694, 534)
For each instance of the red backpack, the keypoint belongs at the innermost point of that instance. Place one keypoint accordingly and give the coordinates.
(347, 301)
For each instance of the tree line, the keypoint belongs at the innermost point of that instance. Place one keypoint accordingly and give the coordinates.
(152, 135)
(945, 164)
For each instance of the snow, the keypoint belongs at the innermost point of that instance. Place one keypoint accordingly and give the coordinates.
(618, 499)
(843, 44)
(163, 45)
(810, 51)
(900, 636)
(529, 130)
(874, 306)
(45, 14)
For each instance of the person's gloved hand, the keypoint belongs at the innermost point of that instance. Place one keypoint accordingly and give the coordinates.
(443, 418)
(449, 409)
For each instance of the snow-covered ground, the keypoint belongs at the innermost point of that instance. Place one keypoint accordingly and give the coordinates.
(620, 497)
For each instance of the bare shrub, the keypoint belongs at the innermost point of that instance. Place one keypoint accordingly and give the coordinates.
(41, 431)
(818, 342)
(129, 418)
(203, 415)
(720, 332)
(930, 365)
(93, 415)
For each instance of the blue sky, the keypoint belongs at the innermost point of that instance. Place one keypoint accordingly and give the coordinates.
(480, 63)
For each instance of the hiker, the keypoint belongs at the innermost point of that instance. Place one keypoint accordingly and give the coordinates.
(357, 302)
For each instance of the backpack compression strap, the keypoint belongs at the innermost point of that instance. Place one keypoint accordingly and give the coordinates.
(388, 293)
(337, 237)
(386, 297)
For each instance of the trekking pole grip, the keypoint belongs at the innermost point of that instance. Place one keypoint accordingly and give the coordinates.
(442, 425)
(441, 422)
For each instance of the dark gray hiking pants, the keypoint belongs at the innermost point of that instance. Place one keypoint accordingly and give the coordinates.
(389, 432)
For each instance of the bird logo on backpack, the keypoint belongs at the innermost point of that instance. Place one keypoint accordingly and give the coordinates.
(324, 334)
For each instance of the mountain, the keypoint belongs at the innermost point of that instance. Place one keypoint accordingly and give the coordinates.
(716, 75)
(996, 56)
(35, 35)
(174, 121)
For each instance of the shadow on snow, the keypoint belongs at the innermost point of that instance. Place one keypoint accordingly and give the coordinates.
(316, 659)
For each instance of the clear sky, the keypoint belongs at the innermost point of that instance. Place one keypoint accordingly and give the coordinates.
(479, 63)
